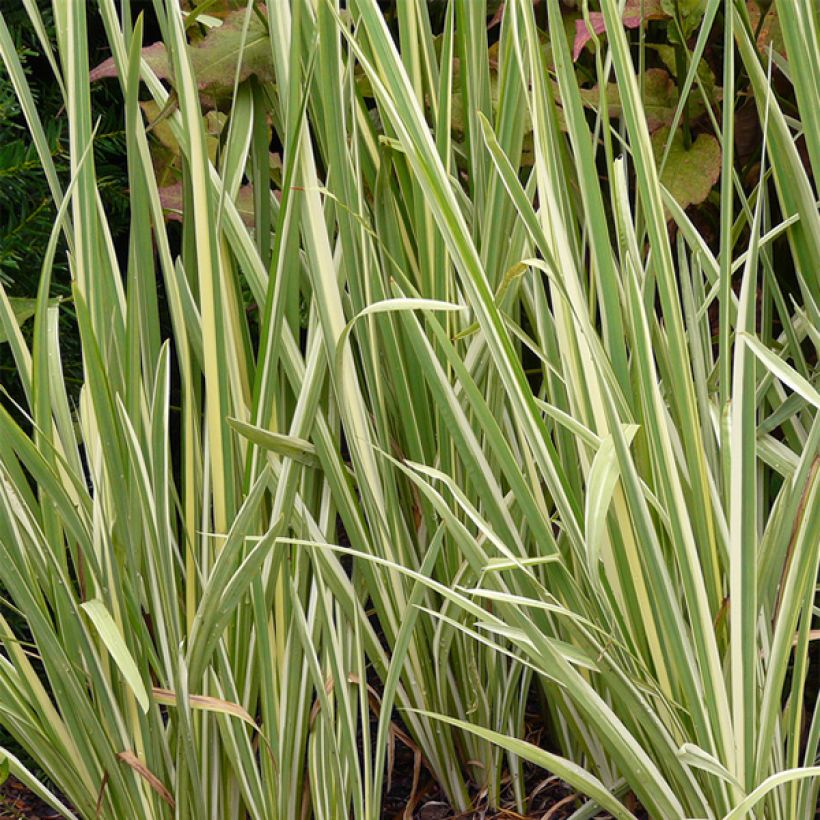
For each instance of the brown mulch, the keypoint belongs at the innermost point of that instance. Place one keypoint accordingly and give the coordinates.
(548, 797)
(554, 801)
(17, 802)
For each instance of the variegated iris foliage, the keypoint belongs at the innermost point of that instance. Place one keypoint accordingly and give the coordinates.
(420, 429)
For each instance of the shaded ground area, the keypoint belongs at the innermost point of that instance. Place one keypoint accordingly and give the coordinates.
(16, 801)
(553, 800)
(550, 798)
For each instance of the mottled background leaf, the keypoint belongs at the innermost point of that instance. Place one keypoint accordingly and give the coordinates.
(689, 173)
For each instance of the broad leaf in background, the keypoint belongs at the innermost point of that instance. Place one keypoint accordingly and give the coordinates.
(689, 173)
(705, 74)
(635, 13)
(768, 31)
(689, 12)
(214, 57)
(172, 197)
(156, 57)
(660, 98)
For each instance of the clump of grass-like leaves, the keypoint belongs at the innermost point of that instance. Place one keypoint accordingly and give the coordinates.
(445, 397)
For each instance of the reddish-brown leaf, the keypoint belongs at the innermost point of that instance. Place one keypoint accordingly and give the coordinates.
(215, 56)
(634, 15)
(130, 759)
(171, 199)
